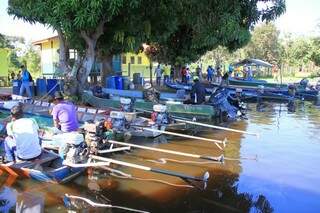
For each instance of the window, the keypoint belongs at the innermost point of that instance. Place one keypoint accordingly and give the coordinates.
(139, 60)
(132, 59)
(124, 59)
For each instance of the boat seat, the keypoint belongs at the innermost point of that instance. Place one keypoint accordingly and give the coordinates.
(45, 157)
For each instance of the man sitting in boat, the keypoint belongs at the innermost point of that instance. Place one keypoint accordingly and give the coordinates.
(64, 114)
(97, 91)
(22, 142)
(198, 92)
(150, 93)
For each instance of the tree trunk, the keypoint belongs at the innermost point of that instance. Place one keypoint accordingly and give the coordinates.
(63, 53)
(106, 69)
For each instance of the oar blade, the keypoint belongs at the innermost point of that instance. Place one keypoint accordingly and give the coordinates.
(200, 183)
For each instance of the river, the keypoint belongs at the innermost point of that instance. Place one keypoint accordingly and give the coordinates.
(279, 171)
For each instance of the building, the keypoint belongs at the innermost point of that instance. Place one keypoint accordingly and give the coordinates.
(127, 63)
(4, 66)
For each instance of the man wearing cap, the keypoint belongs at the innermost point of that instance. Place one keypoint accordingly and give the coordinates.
(64, 114)
(22, 141)
(198, 92)
(150, 93)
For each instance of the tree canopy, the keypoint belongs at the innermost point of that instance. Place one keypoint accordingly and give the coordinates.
(181, 30)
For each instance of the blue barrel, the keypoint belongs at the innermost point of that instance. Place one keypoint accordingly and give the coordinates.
(52, 86)
(119, 82)
(41, 87)
(16, 84)
(110, 82)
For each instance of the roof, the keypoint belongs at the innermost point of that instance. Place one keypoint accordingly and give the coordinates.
(44, 40)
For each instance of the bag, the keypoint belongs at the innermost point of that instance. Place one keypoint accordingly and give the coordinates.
(30, 77)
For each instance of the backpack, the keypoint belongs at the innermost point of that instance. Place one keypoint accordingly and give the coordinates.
(30, 77)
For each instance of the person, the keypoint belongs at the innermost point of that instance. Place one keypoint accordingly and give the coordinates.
(188, 75)
(199, 72)
(22, 142)
(166, 72)
(209, 73)
(64, 114)
(25, 81)
(249, 73)
(198, 92)
(225, 79)
(158, 74)
(150, 93)
(12, 76)
(97, 91)
(219, 75)
(275, 73)
(172, 73)
(184, 74)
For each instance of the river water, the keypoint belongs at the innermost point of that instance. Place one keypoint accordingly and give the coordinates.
(279, 171)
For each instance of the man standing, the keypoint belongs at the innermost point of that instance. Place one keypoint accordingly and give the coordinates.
(25, 81)
(64, 114)
(22, 141)
(166, 71)
(198, 92)
(158, 74)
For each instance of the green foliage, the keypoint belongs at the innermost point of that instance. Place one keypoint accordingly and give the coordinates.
(205, 25)
(32, 60)
(315, 55)
(264, 43)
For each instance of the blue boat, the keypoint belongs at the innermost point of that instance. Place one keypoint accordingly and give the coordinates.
(48, 168)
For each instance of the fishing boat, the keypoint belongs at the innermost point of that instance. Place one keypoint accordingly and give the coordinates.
(200, 112)
(48, 168)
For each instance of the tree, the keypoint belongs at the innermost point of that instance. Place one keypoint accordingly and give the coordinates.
(264, 43)
(205, 25)
(182, 29)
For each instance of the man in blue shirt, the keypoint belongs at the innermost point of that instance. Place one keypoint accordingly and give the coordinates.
(25, 81)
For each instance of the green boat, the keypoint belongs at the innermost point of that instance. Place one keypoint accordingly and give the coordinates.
(200, 112)
(255, 83)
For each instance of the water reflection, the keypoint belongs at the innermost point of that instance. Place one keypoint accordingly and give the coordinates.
(285, 178)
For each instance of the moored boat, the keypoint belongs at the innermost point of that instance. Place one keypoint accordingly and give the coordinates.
(48, 168)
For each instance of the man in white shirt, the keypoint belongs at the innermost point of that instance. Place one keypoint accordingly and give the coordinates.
(22, 141)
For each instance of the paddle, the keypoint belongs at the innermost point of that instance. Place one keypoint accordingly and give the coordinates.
(217, 127)
(67, 201)
(218, 159)
(216, 142)
(188, 178)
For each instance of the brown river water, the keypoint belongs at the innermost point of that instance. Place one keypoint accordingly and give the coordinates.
(279, 171)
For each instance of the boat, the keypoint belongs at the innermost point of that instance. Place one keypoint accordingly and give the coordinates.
(248, 93)
(48, 168)
(252, 91)
(199, 112)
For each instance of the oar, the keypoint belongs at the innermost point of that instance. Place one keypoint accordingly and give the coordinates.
(217, 142)
(67, 200)
(219, 158)
(187, 178)
(217, 127)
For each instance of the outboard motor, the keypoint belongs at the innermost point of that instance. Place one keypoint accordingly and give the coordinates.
(292, 90)
(219, 99)
(160, 115)
(75, 150)
(118, 120)
(304, 82)
(126, 104)
(94, 135)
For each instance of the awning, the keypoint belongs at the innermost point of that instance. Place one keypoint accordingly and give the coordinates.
(252, 62)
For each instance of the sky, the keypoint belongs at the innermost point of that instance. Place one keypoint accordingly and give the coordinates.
(300, 18)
